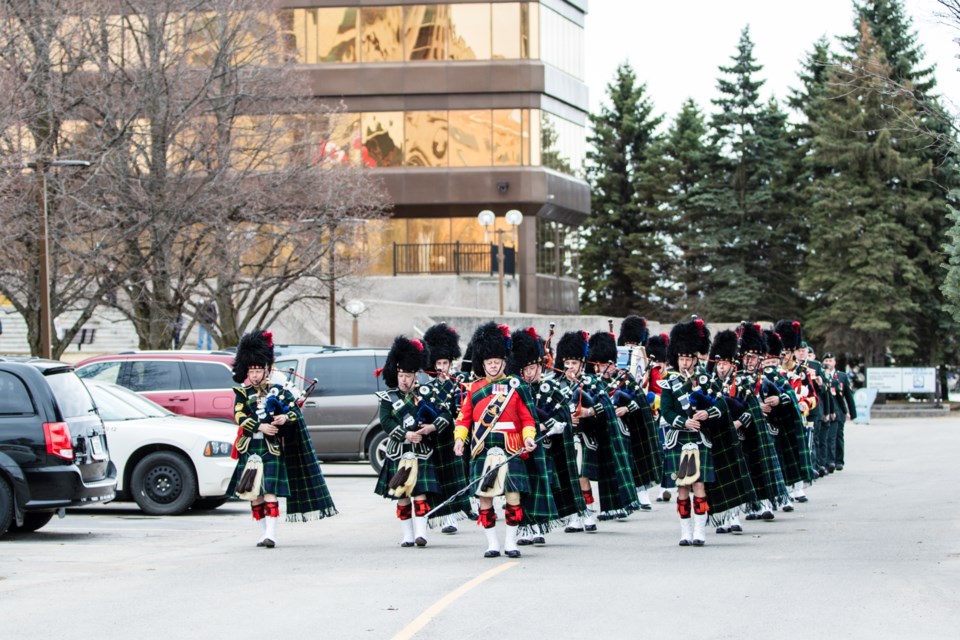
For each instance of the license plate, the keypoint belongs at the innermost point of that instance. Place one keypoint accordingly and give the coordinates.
(96, 448)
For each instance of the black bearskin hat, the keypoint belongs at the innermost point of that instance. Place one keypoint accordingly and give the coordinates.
(602, 348)
(490, 340)
(572, 346)
(687, 339)
(724, 347)
(442, 343)
(790, 333)
(773, 343)
(526, 347)
(705, 341)
(657, 348)
(405, 355)
(633, 330)
(255, 349)
(751, 340)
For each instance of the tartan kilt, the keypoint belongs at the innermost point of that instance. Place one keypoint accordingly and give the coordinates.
(562, 458)
(451, 474)
(671, 459)
(762, 458)
(791, 443)
(610, 465)
(646, 451)
(517, 480)
(275, 480)
(731, 489)
(426, 479)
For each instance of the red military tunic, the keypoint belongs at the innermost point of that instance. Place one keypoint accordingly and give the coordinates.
(515, 421)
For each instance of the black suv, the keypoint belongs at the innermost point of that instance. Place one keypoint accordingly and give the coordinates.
(53, 451)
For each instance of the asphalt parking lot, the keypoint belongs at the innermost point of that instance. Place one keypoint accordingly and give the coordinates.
(874, 554)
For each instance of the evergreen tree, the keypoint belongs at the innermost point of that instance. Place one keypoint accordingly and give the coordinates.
(865, 209)
(951, 283)
(750, 239)
(623, 258)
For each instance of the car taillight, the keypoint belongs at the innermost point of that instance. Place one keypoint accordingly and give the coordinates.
(57, 435)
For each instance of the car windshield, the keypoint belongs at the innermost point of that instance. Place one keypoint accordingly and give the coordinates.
(117, 403)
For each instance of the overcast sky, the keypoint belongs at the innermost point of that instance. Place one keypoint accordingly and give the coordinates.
(676, 47)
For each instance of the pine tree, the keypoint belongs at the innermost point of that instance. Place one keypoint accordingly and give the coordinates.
(864, 210)
(623, 256)
(951, 282)
(751, 271)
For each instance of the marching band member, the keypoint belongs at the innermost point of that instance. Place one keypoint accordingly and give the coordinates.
(410, 422)
(272, 428)
(496, 417)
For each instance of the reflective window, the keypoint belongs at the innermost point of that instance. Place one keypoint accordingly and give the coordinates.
(530, 30)
(506, 30)
(426, 140)
(380, 29)
(561, 43)
(337, 35)
(471, 139)
(382, 139)
(507, 137)
(105, 371)
(341, 376)
(558, 249)
(425, 28)
(470, 31)
(71, 395)
(14, 396)
(338, 138)
(563, 144)
(209, 375)
(154, 375)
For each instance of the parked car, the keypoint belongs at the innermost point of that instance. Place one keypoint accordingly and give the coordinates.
(53, 453)
(342, 411)
(166, 463)
(190, 383)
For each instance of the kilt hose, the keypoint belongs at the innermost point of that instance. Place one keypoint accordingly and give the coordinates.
(275, 480)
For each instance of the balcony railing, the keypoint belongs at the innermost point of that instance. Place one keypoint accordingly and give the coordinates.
(451, 258)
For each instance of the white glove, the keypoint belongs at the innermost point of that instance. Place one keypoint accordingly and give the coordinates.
(555, 427)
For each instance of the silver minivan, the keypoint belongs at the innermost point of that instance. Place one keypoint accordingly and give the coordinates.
(342, 411)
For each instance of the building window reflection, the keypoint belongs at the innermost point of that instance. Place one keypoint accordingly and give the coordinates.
(507, 137)
(336, 34)
(471, 139)
(380, 34)
(505, 21)
(426, 139)
(470, 31)
(558, 249)
(382, 135)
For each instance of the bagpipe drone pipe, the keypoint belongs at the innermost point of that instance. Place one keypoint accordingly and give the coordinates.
(697, 395)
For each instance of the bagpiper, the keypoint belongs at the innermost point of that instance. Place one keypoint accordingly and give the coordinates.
(496, 417)
(275, 453)
(408, 416)
(655, 376)
(443, 348)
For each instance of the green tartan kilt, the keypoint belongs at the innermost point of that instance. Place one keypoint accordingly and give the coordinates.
(451, 474)
(275, 480)
(517, 480)
(426, 478)
(671, 460)
(646, 451)
(562, 469)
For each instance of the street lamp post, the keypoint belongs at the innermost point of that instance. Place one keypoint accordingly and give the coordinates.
(355, 308)
(488, 218)
(40, 168)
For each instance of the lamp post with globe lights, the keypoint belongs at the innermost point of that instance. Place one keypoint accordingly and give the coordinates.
(487, 220)
(355, 308)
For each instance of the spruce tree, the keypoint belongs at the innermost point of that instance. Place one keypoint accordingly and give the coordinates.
(864, 211)
(623, 257)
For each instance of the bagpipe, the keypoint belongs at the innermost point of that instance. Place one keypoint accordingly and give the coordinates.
(696, 394)
(402, 483)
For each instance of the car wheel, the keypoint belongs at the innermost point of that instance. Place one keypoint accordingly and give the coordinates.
(377, 451)
(6, 506)
(33, 520)
(208, 504)
(163, 484)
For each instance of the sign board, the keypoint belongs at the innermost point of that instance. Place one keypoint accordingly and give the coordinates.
(864, 399)
(902, 379)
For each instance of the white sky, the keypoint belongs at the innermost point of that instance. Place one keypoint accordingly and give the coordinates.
(676, 46)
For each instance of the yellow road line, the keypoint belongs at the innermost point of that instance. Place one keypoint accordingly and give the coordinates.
(424, 618)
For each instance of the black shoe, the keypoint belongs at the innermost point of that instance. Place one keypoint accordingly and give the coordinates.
(539, 540)
(524, 542)
(735, 528)
(646, 507)
(472, 515)
(787, 508)
(821, 471)
(269, 544)
(590, 528)
(491, 553)
(839, 467)
(831, 468)
(573, 530)
(697, 543)
(406, 544)
(421, 542)
(449, 529)
(660, 500)
(684, 543)
(260, 544)
(802, 499)
(512, 554)
(767, 515)
(751, 516)
(723, 529)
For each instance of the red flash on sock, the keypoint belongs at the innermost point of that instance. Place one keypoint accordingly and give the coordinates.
(514, 514)
(700, 505)
(258, 511)
(588, 496)
(683, 507)
(487, 518)
(422, 508)
(404, 511)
